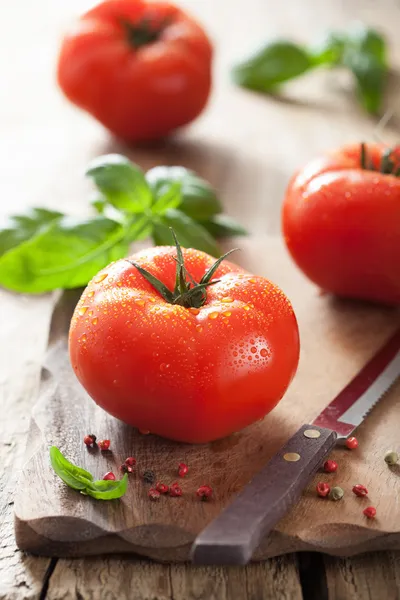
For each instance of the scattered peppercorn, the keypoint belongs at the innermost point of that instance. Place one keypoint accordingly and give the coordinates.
(391, 457)
(360, 490)
(370, 512)
(182, 469)
(204, 492)
(104, 445)
(330, 466)
(175, 490)
(109, 476)
(149, 477)
(162, 487)
(153, 494)
(130, 461)
(352, 443)
(336, 493)
(90, 439)
(323, 489)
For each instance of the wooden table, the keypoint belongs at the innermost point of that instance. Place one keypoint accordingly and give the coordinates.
(247, 146)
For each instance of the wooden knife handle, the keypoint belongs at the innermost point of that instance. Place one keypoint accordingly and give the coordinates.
(234, 535)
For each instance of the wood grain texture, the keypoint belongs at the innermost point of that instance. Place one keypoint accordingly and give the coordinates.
(245, 144)
(364, 577)
(337, 338)
(129, 579)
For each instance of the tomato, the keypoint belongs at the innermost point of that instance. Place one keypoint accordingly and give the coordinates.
(341, 222)
(192, 372)
(141, 68)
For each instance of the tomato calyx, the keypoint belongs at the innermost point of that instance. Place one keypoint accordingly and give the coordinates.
(143, 33)
(187, 291)
(387, 165)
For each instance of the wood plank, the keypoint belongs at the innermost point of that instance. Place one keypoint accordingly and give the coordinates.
(129, 579)
(22, 346)
(371, 576)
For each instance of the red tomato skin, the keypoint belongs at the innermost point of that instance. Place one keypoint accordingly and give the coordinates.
(185, 375)
(143, 93)
(342, 226)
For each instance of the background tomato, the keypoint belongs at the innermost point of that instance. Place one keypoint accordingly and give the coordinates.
(341, 223)
(190, 374)
(141, 68)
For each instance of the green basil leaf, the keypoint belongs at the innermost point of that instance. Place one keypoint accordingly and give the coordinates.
(121, 182)
(65, 255)
(170, 197)
(199, 199)
(222, 226)
(366, 56)
(24, 227)
(371, 78)
(275, 63)
(108, 490)
(189, 233)
(73, 476)
(329, 50)
(366, 40)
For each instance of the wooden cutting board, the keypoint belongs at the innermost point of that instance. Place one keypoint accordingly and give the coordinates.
(337, 338)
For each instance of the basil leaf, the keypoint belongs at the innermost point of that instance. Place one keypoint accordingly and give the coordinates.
(73, 476)
(222, 226)
(65, 255)
(275, 63)
(121, 182)
(370, 78)
(199, 199)
(108, 490)
(329, 51)
(365, 56)
(189, 233)
(23, 227)
(170, 197)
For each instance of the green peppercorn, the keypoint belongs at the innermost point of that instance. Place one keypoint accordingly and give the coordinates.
(336, 493)
(391, 457)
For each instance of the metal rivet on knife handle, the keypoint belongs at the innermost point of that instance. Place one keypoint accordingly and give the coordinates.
(312, 433)
(291, 456)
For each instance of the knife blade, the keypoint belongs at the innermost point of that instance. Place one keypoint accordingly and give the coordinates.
(232, 537)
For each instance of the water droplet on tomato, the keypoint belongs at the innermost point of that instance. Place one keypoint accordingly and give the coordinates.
(253, 349)
(90, 294)
(101, 278)
(83, 338)
(82, 310)
(213, 315)
(227, 313)
(140, 302)
(95, 321)
(164, 367)
(246, 307)
(151, 299)
(264, 352)
(227, 299)
(194, 310)
(252, 280)
(199, 328)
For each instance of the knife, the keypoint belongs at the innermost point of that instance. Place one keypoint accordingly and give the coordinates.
(234, 535)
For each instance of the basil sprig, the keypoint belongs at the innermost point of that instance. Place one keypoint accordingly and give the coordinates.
(362, 50)
(46, 250)
(81, 480)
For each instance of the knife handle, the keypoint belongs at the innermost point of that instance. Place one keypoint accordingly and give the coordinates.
(234, 535)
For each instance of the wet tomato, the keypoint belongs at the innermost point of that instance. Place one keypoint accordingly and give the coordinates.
(341, 222)
(188, 362)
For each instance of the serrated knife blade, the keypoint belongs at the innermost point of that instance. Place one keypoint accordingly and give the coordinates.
(354, 402)
(234, 535)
